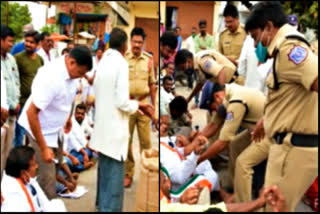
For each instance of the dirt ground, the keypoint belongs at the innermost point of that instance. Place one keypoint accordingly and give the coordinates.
(88, 179)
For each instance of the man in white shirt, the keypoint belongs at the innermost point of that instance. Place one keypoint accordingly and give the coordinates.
(189, 42)
(111, 131)
(78, 142)
(10, 73)
(254, 72)
(47, 110)
(4, 116)
(4, 104)
(19, 188)
(165, 95)
(47, 44)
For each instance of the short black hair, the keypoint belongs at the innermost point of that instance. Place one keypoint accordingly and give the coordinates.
(81, 106)
(19, 159)
(169, 39)
(202, 22)
(176, 28)
(6, 31)
(217, 87)
(167, 78)
(117, 38)
(65, 50)
(230, 10)
(263, 12)
(138, 31)
(34, 34)
(82, 55)
(182, 56)
(43, 35)
(213, 210)
(179, 104)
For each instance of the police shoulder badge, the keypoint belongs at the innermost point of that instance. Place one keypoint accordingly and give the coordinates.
(298, 54)
(229, 116)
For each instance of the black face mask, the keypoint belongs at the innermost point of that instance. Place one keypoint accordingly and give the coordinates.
(222, 111)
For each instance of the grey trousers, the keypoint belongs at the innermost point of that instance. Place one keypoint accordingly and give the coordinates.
(110, 184)
(46, 176)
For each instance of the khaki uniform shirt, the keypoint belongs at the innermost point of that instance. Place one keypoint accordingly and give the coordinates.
(212, 62)
(236, 112)
(293, 107)
(230, 44)
(141, 73)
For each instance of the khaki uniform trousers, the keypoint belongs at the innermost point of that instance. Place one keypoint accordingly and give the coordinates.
(143, 124)
(6, 141)
(250, 157)
(46, 175)
(293, 169)
(236, 147)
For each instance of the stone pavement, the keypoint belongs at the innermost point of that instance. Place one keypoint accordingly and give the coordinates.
(88, 179)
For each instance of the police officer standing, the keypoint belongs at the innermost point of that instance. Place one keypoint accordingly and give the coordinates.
(291, 110)
(232, 38)
(142, 86)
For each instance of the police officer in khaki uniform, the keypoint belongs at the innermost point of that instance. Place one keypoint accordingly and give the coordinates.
(232, 38)
(142, 86)
(291, 111)
(208, 65)
(236, 106)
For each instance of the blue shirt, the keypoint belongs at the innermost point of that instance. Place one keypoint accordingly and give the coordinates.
(17, 48)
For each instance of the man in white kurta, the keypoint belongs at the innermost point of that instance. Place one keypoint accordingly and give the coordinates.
(4, 115)
(111, 131)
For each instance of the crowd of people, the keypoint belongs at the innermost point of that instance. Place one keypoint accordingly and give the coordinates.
(61, 114)
(259, 86)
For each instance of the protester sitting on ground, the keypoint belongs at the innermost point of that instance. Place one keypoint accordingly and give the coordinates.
(66, 180)
(20, 190)
(178, 115)
(77, 142)
(166, 95)
(189, 198)
(176, 156)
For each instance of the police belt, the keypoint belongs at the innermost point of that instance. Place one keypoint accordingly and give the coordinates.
(139, 98)
(298, 139)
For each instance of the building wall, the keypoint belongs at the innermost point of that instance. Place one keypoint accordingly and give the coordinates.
(189, 14)
(146, 12)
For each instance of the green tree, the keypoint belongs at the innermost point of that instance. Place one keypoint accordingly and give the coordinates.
(307, 12)
(50, 28)
(18, 17)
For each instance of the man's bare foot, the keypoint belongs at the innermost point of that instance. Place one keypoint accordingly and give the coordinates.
(226, 197)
